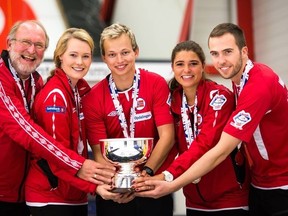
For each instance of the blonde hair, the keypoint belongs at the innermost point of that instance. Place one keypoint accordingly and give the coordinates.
(62, 43)
(115, 31)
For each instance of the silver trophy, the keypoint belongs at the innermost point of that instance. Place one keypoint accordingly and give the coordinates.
(126, 153)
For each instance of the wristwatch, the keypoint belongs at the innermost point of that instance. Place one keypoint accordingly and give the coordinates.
(148, 170)
(168, 176)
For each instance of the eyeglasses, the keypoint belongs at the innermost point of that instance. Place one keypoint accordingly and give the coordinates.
(28, 43)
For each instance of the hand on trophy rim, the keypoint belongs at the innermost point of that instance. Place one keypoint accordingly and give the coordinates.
(160, 188)
(144, 187)
(104, 172)
(140, 183)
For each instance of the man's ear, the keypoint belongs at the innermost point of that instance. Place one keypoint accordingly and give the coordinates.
(8, 44)
(245, 51)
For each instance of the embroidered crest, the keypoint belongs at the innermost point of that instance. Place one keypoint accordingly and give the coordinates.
(140, 103)
(55, 109)
(241, 119)
(218, 101)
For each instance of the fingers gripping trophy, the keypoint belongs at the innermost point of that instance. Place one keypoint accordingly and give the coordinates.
(126, 153)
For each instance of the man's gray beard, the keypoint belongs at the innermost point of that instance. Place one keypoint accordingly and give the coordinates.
(21, 69)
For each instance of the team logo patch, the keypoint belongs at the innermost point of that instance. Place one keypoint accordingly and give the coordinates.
(218, 101)
(140, 103)
(142, 116)
(55, 109)
(241, 119)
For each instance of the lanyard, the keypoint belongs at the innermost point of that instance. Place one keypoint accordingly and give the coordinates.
(244, 78)
(237, 91)
(27, 105)
(189, 134)
(77, 100)
(119, 109)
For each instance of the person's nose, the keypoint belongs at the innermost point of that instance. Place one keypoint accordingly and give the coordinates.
(119, 58)
(221, 59)
(79, 60)
(186, 68)
(31, 48)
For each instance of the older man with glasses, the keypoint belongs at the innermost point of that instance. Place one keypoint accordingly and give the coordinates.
(19, 83)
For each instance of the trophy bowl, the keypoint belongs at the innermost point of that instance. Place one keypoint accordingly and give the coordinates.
(126, 153)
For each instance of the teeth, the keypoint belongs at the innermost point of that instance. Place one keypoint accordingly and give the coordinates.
(187, 77)
(120, 67)
(78, 69)
(29, 57)
(224, 68)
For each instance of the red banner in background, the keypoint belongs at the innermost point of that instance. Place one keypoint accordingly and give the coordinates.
(12, 11)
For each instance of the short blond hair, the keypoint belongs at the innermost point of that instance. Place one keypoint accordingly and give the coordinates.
(115, 31)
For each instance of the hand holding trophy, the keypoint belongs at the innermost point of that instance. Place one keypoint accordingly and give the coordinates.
(126, 153)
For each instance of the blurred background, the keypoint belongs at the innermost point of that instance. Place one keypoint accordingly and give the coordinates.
(159, 25)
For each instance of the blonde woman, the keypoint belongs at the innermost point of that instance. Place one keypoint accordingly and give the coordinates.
(58, 110)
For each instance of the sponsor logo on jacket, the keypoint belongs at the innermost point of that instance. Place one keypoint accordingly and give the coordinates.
(55, 109)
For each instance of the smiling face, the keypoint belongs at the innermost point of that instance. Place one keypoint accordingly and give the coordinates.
(76, 60)
(188, 69)
(119, 56)
(227, 58)
(26, 58)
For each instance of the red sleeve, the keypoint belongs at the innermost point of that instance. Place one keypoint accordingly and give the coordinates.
(161, 100)
(211, 129)
(56, 122)
(83, 185)
(253, 103)
(74, 181)
(59, 125)
(19, 126)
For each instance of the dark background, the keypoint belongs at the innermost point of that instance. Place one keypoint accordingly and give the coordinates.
(84, 14)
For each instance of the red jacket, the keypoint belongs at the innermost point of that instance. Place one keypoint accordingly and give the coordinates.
(219, 188)
(56, 111)
(19, 132)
